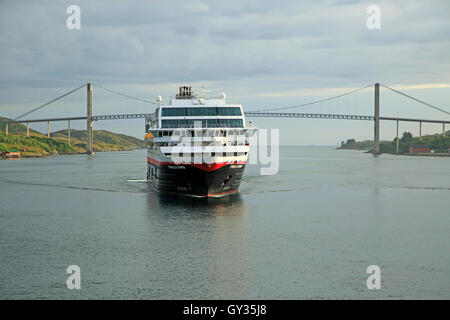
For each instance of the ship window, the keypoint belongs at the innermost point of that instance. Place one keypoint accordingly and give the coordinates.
(201, 111)
(193, 111)
(229, 111)
(206, 123)
(212, 123)
(173, 123)
(173, 112)
(231, 123)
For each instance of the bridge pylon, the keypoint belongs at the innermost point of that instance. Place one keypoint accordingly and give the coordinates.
(89, 128)
(377, 120)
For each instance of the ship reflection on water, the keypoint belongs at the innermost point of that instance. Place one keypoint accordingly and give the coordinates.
(172, 204)
(200, 243)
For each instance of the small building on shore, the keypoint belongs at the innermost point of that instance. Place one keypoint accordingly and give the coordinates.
(419, 148)
(11, 154)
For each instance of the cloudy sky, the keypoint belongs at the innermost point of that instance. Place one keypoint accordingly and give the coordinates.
(263, 54)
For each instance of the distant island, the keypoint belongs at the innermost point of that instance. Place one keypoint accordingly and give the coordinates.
(39, 145)
(437, 143)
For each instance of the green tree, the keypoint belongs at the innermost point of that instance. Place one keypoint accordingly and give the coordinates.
(407, 137)
(350, 142)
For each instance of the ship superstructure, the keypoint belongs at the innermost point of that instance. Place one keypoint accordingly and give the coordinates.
(197, 145)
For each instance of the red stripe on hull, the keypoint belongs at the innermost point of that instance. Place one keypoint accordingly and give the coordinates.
(202, 166)
(150, 160)
(208, 166)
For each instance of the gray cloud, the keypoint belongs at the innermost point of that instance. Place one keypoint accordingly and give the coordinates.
(154, 41)
(249, 46)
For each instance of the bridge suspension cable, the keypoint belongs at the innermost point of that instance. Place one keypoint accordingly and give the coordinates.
(417, 100)
(316, 101)
(47, 103)
(125, 95)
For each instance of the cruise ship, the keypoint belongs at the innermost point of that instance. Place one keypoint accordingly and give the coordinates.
(197, 145)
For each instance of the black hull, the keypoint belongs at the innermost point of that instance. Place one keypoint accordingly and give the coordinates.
(197, 181)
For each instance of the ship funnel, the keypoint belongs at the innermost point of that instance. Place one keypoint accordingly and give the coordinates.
(185, 92)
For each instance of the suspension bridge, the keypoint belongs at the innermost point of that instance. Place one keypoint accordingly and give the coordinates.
(267, 113)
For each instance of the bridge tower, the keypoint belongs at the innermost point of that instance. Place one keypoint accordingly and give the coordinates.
(90, 130)
(377, 119)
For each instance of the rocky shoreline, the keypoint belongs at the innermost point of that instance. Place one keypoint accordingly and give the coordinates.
(435, 154)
